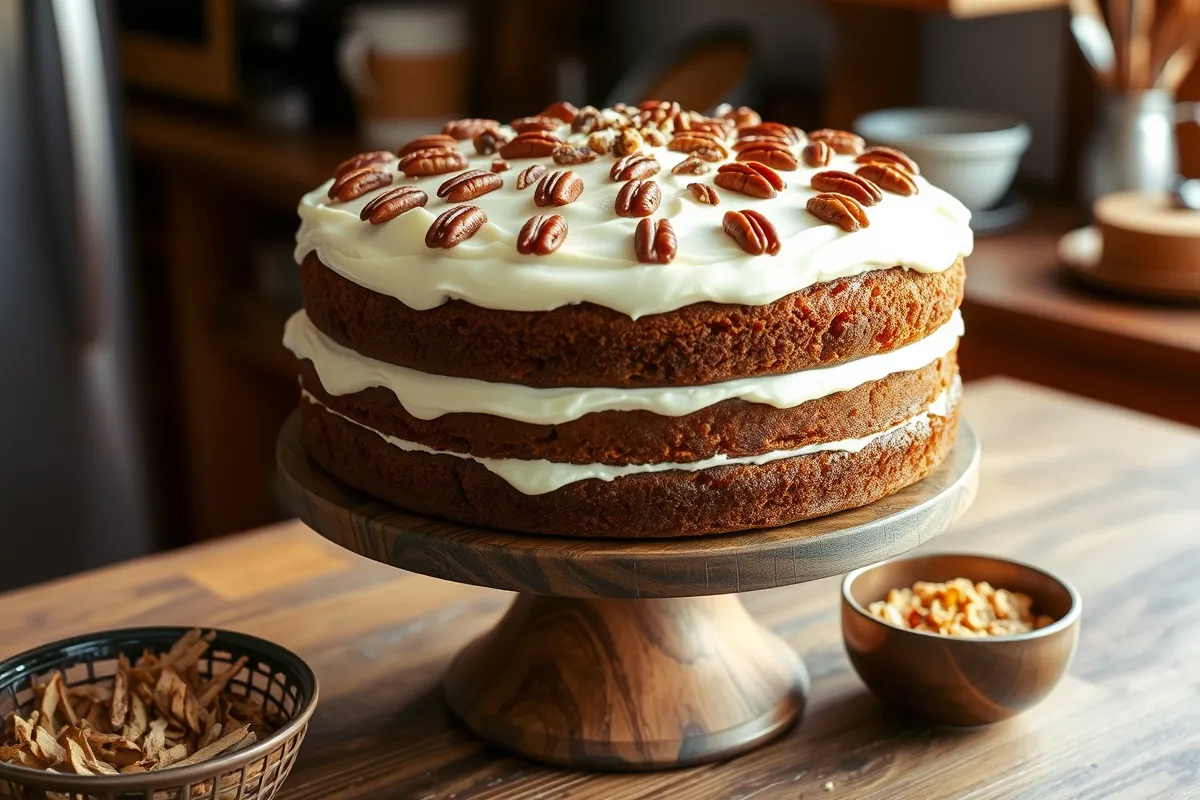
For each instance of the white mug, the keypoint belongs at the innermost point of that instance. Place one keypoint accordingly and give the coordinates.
(407, 67)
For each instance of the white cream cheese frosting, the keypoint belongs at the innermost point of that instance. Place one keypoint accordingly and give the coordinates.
(425, 396)
(538, 476)
(926, 232)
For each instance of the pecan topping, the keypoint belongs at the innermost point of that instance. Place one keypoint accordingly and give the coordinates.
(638, 198)
(841, 141)
(542, 235)
(487, 140)
(432, 162)
(753, 232)
(692, 165)
(358, 182)
(838, 209)
(561, 110)
(817, 154)
(743, 117)
(392, 204)
(694, 141)
(721, 127)
(430, 142)
(455, 226)
(627, 141)
(654, 242)
(558, 189)
(600, 142)
(361, 160)
(772, 157)
(634, 165)
(533, 144)
(566, 154)
(500, 165)
(889, 155)
(753, 142)
(530, 175)
(654, 113)
(469, 185)
(889, 177)
(526, 124)
(756, 180)
(587, 120)
(654, 137)
(467, 128)
(704, 194)
(776, 129)
(856, 186)
(711, 154)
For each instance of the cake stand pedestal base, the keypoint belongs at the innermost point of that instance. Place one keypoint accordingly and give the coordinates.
(628, 653)
(627, 684)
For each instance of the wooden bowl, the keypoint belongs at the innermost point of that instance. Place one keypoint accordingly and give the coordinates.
(951, 680)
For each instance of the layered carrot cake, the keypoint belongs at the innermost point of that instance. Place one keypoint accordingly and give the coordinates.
(631, 322)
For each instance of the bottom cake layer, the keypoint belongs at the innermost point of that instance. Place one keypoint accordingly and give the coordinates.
(656, 504)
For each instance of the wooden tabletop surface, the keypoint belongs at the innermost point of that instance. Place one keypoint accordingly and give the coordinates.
(1106, 498)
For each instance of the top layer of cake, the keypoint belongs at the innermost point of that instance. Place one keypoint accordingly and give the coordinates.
(598, 261)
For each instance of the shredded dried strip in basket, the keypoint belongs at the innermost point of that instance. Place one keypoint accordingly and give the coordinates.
(155, 713)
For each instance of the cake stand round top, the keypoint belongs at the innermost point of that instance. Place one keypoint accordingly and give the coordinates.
(628, 568)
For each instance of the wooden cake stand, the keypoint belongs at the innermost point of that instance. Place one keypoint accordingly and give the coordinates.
(627, 654)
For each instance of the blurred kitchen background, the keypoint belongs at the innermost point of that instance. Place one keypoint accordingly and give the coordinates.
(154, 154)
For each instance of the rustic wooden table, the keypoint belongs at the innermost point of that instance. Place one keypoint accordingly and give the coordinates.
(1108, 499)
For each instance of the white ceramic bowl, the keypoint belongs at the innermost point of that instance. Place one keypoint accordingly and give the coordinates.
(973, 155)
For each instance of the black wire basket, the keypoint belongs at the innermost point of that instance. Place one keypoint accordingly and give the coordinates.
(272, 676)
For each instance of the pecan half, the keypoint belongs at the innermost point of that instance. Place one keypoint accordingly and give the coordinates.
(455, 226)
(889, 177)
(500, 165)
(392, 204)
(487, 140)
(627, 141)
(526, 124)
(542, 235)
(432, 141)
(432, 162)
(838, 209)
(746, 179)
(634, 165)
(692, 165)
(753, 232)
(776, 157)
(357, 182)
(695, 141)
(817, 154)
(561, 110)
(558, 189)
(467, 128)
(361, 160)
(711, 154)
(776, 129)
(856, 186)
(532, 144)
(654, 137)
(843, 142)
(722, 127)
(587, 120)
(752, 142)
(638, 198)
(704, 194)
(743, 116)
(654, 113)
(530, 175)
(889, 155)
(469, 185)
(655, 242)
(566, 154)
(600, 142)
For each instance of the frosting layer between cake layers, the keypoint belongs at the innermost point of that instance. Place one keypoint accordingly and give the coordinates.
(426, 396)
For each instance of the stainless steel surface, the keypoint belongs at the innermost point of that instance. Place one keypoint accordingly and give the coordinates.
(1132, 145)
(72, 482)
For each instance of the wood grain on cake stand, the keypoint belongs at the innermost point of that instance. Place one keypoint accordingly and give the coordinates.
(628, 654)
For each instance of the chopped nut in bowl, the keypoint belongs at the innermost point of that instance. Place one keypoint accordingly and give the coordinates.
(152, 714)
(959, 639)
